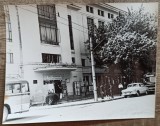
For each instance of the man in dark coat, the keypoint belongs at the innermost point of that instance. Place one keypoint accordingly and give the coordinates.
(58, 87)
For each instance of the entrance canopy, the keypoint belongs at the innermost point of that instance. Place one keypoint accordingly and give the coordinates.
(54, 68)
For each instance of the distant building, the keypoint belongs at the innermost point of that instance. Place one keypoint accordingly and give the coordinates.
(46, 43)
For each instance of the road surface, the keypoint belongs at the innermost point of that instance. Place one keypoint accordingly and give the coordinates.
(134, 107)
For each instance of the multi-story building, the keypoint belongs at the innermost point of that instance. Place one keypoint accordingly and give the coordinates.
(46, 43)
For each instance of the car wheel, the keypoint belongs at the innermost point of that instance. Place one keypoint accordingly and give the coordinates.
(138, 94)
(5, 113)
(125, 96)
(50, 101)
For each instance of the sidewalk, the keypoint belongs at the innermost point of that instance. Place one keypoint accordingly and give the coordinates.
(75, 103)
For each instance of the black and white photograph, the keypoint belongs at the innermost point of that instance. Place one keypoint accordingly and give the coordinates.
(78, 62)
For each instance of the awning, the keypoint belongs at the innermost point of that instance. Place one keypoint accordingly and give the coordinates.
(41, 69)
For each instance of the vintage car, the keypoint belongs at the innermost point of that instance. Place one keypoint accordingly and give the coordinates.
(150, 81)
(135, 89)
(17, 97)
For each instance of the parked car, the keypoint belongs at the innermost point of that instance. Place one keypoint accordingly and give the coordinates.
(149, 81)
(135, 89)
(17, 97)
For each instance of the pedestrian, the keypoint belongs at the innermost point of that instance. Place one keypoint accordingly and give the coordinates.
(101, 91)
(58, 87)
(120, 86)
(86, 88)
(111, 90)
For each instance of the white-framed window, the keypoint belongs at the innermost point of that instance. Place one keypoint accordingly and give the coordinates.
(100, 13)
(89, 9)
(9, 58)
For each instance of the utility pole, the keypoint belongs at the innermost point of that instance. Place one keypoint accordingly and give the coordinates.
(20, 44)
(93, 70)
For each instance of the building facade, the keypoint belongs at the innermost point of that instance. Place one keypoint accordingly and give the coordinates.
(46, 44)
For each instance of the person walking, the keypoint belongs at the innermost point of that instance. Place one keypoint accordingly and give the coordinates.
(120, 86)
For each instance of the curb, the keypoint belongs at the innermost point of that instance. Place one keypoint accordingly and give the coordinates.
(93, 102)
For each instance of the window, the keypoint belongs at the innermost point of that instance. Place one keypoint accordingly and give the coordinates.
(50, 58)
(110, 15)
(8, 89)
(83, 62)
(89, 9)
(47, 12)
(9, 58)
(8, 25)
(100, 12)
(34, 81)
(73, 60)
(16, 88)
(70, 32)
(48, 34)
(86, 79)
(48, 24)
(45, 82)
(100, 23)
(90, 23)
(24, 88)
(9, 29)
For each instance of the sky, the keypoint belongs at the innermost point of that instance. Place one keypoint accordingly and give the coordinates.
(148, 7)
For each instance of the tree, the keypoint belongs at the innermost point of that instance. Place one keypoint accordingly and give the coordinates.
(128, 39)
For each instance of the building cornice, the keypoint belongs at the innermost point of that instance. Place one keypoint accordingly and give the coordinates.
(109, 7)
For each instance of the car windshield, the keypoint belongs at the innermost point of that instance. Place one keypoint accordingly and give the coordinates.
(14, 88)
(135, 85)
(132, 85)
(17, 88)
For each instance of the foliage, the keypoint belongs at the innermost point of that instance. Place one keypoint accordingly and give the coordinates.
(127, 39)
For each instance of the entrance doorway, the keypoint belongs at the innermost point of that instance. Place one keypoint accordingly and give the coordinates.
(58, 87)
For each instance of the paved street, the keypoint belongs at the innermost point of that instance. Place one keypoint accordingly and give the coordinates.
(134, 107)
